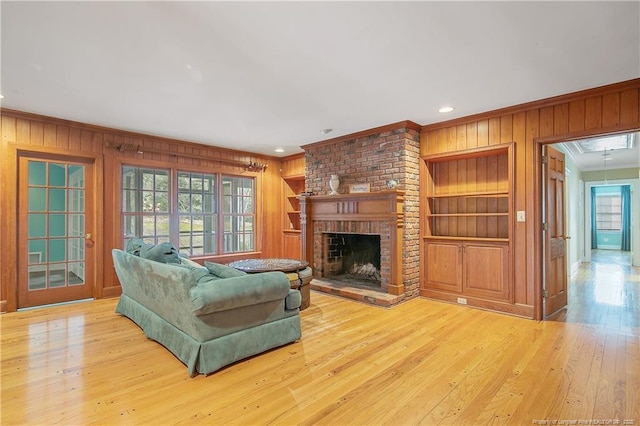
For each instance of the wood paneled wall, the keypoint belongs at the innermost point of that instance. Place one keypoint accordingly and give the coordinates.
(603, 110)
(28, 133)
(293, 165)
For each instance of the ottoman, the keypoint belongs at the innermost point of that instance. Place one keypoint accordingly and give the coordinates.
(298, 272)
(300, 281)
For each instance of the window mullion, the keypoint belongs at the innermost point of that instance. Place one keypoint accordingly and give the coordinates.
(139, 214)
(174, 220)
(220, 213)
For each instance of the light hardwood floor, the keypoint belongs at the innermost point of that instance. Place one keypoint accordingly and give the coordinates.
(422, 362)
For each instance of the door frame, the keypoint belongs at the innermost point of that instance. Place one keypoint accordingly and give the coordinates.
(538, 243)
(10, 253)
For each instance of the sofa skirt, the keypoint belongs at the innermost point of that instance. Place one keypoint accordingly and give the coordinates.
(209, 356)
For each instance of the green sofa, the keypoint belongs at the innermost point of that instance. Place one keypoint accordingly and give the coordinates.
(207, 321)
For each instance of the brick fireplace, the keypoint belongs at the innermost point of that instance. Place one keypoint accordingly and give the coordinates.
(373, 157)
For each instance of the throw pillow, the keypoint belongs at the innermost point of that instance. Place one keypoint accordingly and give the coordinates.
(223, 271)
(134, 245)
(163, 252)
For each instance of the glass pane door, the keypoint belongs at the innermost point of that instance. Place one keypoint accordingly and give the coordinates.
(54, 207)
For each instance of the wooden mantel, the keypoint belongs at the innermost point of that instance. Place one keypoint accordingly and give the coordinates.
(382, 206)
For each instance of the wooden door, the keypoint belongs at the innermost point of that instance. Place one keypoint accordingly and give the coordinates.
(55, 247)
(555, 264)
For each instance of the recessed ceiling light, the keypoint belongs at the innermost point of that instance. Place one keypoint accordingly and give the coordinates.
(279, 150)
(326, 131)
(1, 97)
(445, 109)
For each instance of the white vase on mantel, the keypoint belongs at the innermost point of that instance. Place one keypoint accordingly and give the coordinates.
(334, 184)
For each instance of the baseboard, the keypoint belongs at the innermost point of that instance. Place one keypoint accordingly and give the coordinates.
(515, 309)
(575, 266)
(114, 291)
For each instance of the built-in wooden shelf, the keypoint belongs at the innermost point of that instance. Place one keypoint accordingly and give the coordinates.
(293, 184)
(468, 222)
(478, 194)
(293, 187)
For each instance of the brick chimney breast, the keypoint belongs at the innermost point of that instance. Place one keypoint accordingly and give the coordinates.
(374, 159)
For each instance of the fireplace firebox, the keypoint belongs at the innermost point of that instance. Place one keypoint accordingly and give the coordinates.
(353, 258)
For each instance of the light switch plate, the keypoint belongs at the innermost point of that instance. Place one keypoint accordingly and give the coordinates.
(520, 216)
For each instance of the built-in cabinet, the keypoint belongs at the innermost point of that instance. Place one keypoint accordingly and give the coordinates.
(468, 268)
(468, 225)
(293, 182)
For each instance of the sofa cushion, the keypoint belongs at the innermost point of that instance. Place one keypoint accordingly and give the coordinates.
(200, 273)
(185, 261)
(223, 271)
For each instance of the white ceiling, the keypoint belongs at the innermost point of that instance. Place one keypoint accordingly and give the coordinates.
(259, 75)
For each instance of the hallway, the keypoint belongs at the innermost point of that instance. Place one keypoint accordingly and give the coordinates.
(605, 292)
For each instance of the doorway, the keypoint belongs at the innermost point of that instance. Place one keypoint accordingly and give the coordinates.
(599, 275)
(55, 246)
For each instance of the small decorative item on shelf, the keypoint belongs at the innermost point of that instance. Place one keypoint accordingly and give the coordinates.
(306, 193)
(392, 183)
(334, 184)
(359, 187)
